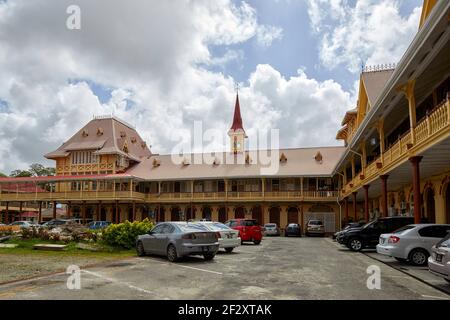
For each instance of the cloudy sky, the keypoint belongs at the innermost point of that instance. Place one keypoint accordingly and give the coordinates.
(161, 65)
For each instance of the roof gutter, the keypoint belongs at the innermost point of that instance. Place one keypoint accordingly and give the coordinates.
(439, 11)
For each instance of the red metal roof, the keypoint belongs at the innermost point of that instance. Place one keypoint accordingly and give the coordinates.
(26, 187)
(66, 177)
(237, 119)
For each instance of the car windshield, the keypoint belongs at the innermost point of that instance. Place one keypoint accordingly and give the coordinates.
(192, 227)
(315, 222)
(444, 242)
(220, 226)
(249, 223)
(403, 229)
(270, 225)
(292, 225)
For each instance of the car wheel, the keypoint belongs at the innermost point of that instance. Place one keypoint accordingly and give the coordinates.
(229, 250)
(355, 244)
(286, 235)
(172, 253)
(418, 257)
(400, 259)
(257, 242)
(140, 249)
(209, 256)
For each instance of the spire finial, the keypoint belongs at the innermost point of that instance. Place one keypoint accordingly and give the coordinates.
(236, 87)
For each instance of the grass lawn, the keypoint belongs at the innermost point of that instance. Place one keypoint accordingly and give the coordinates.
(25, 246)
(25, 262)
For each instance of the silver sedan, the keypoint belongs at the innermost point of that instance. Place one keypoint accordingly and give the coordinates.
(178, 239)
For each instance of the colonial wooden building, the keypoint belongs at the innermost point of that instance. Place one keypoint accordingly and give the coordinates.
(395, 159)
(397, 155)
(106, 171)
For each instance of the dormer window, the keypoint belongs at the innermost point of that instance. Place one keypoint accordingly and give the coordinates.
(248, 160)
(216, 161)
(318, 157)
(156, 163)
(99, 131)
(143, 144)
(85, 133)
(185, 162)
(283, 158)
(123, 134)
(133, 139)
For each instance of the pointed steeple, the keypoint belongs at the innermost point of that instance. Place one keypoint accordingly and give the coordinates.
(237, 119)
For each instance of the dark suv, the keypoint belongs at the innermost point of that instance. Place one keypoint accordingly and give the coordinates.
(368, 235)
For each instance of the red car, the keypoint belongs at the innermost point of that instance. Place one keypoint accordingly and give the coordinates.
(249, 230)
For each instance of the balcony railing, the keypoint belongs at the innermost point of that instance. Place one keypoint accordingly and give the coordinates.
(170, 197)
(73, 195)
(435, 124)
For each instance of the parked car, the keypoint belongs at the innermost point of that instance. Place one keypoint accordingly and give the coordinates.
(22, 224)
(315, 227)
(55, 223)
(350, 225)
(413, 242)
(228, 238)
(249, 230)
(178, 239)
(439, 261)
(368, 235)
(95, 225)
(293, 229)
(271, 229)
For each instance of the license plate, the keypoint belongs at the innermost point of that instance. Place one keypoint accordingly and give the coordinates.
(229, 236)
(439, 257)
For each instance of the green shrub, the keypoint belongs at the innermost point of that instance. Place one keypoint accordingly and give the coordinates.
(124, 234)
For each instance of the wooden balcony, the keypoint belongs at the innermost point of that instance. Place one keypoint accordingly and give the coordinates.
(433, 128)
(74, 196)
(176, 197)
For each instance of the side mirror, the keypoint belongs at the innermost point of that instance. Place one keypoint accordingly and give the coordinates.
(150, 232)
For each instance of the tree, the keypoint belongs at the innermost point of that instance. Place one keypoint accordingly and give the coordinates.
(2, 175)
(39, 170)
(20, 173)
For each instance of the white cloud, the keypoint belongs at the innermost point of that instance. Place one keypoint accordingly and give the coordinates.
(265, 35)
(370, 32)
(153, 54)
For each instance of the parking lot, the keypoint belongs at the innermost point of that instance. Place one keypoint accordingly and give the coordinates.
(279, 268)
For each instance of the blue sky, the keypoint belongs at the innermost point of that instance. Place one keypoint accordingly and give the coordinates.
(298, 47)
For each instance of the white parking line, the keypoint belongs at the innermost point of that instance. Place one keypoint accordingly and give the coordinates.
(180, 265)
(98, 275)
(204, 270)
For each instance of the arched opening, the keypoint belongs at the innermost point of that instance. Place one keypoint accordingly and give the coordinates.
(239, 213)
(130, 213)
(223, 215)
(430, 209)
(190, 213)
(176, 214)
(76, 212)
(447, 202)
(257, 214)
(146, 213)
(103, 214)
(206, 213)
(160, 214)
(292, 215)
(274, 215)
